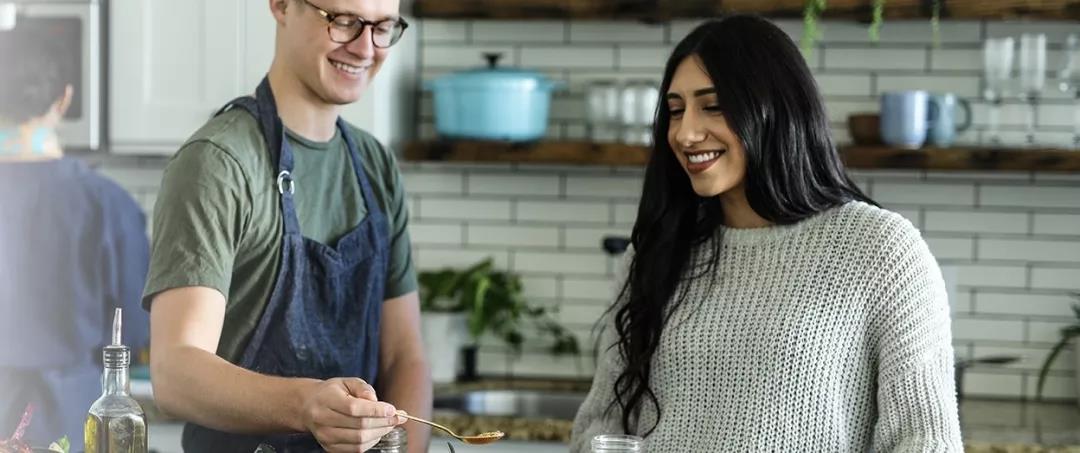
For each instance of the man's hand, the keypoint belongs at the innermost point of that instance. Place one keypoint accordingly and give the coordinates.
(345, 415)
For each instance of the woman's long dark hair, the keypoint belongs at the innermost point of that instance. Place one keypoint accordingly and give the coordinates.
(771, 102)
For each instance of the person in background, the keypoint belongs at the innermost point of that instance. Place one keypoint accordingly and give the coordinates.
(767, 303)
(282, 295)
(73, 247)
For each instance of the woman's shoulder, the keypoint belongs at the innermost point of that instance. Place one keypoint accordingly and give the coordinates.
(870, 223)
(879, 236)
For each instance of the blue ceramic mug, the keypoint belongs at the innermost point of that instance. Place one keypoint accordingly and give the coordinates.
(904, 118)
(943, 118)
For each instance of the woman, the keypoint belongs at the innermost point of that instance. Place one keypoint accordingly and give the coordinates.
(768, 304)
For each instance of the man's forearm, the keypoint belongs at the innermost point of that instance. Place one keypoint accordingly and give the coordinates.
(407, 385)
(205, 389)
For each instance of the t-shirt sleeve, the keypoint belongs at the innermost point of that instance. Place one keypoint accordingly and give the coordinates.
(198, 221)
(401, 276)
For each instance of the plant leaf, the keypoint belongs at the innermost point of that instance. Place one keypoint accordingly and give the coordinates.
(1050, 361)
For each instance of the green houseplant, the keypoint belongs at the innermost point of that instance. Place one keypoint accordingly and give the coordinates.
(1068, 333)
(491, 302)
(812, 10)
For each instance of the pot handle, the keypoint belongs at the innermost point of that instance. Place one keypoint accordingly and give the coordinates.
(492, 59)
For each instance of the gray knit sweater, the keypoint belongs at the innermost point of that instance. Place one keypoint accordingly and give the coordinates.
(830, 335)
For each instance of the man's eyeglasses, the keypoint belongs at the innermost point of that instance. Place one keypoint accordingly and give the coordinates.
(344, 28)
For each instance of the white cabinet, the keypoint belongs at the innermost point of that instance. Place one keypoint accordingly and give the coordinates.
(174, 63)
(171, 64)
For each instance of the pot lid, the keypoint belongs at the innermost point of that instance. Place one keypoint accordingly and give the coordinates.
(494, 74)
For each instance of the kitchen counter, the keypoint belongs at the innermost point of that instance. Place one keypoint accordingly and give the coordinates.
(989, 426)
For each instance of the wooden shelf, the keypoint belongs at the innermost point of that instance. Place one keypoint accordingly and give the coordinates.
(660, 10)
(856, 157)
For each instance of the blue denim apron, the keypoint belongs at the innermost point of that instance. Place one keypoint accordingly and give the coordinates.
(323, 317)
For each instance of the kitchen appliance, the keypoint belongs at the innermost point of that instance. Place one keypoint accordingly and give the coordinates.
(492, 103)
(72, 30)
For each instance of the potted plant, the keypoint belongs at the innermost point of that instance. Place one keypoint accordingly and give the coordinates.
(462, 305)
(1068, 333)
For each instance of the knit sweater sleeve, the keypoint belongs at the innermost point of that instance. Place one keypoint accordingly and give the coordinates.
(916, 395)
(597, 415)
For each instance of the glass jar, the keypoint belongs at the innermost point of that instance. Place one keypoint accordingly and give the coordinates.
(638, 108)
(602, 110)
(395, 441)
(617, 443)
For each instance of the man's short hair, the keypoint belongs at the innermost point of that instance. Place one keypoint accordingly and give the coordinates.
(32, 77)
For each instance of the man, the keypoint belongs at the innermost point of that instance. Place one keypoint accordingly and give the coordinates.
(282, 295)
(72, 248)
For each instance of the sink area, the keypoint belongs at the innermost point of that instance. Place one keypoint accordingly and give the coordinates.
(515, 403)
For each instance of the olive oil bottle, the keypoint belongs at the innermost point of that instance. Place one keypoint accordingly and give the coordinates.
(116, 423)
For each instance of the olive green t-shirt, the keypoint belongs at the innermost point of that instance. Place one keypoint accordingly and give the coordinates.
(217, 221)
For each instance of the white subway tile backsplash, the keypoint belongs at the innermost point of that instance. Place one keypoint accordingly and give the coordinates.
(839, 111)
(843, 85)
(1060, 115)
(1056, 387)
(862, 58)
(577, 56)
(513, 236)
(435, 233)
(579, 237)
(1022, 304)
(948, 248)
(611, 187)
(464, 209)
(625, 213)
(1031, 359)
(1029, 250)
(568, 108)
(513, 184)
(932, 194)
(975, 222)
(536, 287)
(968, 59)
(1066, 224)
(1047, 277)
(449, 183)
(993, 385)
(1026, 196)
(465, 56)
(560, 263)
(590, 289)
(991, 275)
(966, 86)
(432, 30)
(1045, 331)
(501, 31)
(644, 57)
(435, 259)
(581, 314)
(590, 32)
(987, 329)
(574, 212)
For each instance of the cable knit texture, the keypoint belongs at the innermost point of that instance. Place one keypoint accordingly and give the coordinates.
(829, 335)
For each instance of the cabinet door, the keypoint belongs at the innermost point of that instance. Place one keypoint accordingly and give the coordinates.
(172, 64)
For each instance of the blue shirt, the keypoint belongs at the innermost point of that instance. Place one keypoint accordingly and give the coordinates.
(73, 247)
